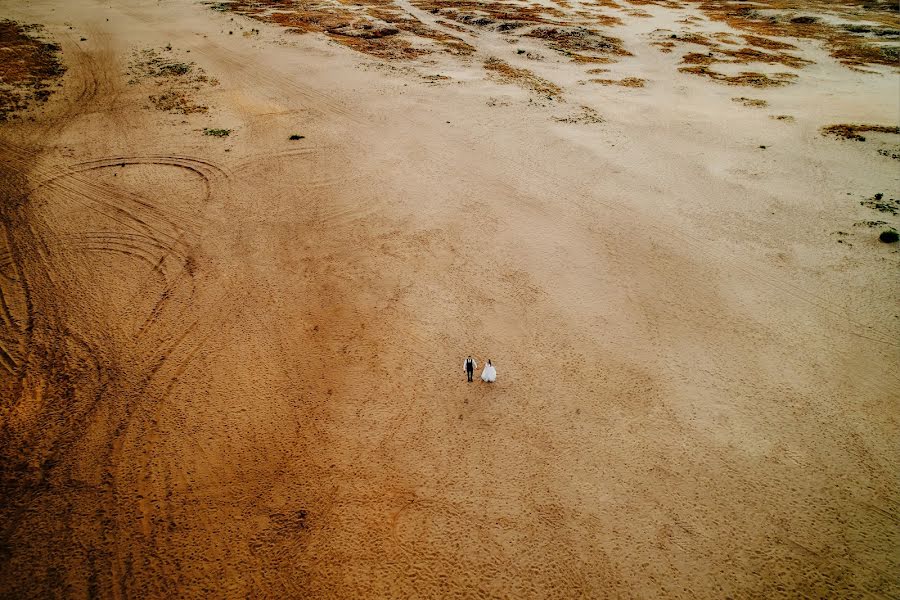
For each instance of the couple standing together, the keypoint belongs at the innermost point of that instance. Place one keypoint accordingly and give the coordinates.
(488, 374)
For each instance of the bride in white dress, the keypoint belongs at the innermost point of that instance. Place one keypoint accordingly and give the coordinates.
(489, 373)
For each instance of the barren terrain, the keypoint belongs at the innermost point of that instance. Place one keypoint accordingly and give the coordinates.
(247, 245)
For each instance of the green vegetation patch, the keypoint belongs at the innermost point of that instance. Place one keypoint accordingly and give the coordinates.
(216, 132)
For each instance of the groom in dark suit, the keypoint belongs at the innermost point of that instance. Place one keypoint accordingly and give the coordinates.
(470, 366)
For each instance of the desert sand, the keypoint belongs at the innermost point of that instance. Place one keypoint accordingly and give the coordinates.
(232, 361)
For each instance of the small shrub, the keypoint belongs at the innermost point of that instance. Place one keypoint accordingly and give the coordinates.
(889, 237)
(296, 137)
(216, 132)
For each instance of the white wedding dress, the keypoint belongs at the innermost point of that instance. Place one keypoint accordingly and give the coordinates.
(489, 374)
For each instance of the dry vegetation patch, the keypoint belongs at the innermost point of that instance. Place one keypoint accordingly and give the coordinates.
(851, 44)
(881, 204)
(503, 16)
(506, 73)
(761, 42)
(384, 29)
(718, 51)
(28, 67)
(378, 27)
(632, 82)
(847, 131)
(585, 116)
(176, 80)
(855, 45)
(746, 78)
(579, 42)
(751, 102)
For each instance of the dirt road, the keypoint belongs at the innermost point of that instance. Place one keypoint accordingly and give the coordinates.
(232, 363)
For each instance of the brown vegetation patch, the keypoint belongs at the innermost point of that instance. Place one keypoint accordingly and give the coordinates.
(725, 37)
(847, 131)
(847, 43)
(747, 78)
(761, 42)
(580, 43)
(632, 82)
(744, 56)
(695, 38)
(382, 28)
(664, 47)
(718, 54)
(606, 20)
(523, 77)
(855, 53)
(501, 15)
(751, 102)
(377, 27)
(663, 3)
(28, 65)
(453, 26)
(176, 79)
(581, 58)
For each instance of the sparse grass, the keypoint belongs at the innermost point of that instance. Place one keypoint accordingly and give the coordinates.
(745, 78)
(785, 118)
(28, 66)
(779, 18)
(522, 77)
(177, 102)
(879, 203)
(766, 43)
(631, 82)
(666, 47)
(586, 116)
(847, 131)
(377, 28)
(751, 102)
(178, 80)
(743, 56)
(578, 41)
(216, 132)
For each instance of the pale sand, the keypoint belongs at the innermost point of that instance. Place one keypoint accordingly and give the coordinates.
(243, 375)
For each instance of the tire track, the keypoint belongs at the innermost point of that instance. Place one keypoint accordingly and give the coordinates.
(208, 171)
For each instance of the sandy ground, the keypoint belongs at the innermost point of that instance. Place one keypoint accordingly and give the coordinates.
(233, 366)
